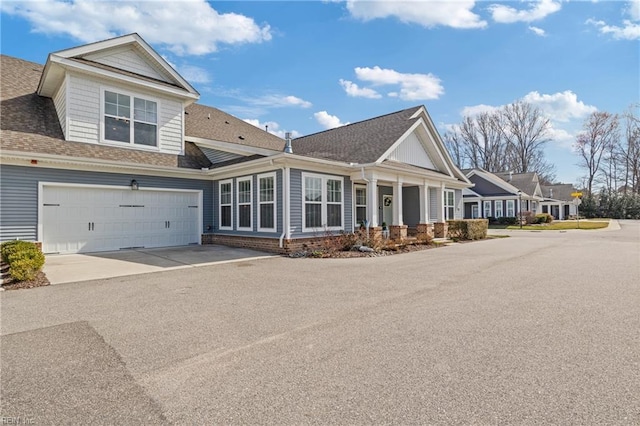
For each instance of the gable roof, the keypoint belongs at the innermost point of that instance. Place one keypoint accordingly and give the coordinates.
(526, 182)
(83, 58)
(207, 123)
(362, 142)
(560, 191)
(19, 131)
(493, 179)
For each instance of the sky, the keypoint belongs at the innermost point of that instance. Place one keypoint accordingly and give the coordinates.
(307, 66)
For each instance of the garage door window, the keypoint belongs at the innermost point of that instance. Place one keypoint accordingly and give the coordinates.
(130, 119)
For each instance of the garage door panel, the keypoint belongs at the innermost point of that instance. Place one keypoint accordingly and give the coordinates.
(77, 219)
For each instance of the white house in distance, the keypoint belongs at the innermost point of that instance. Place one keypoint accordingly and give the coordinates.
(105, 148)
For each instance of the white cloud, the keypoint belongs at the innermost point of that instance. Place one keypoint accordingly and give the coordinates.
(633, 10)
(327, 120)
(629, 30)
(353, 90)
(539, 10)
(277, 101)
(194, 74)
(185, 27)
(413, 87)
(455, 14)
(472, 111)
(538, 31)
(272, 127)
(561, 137)
(561, 106)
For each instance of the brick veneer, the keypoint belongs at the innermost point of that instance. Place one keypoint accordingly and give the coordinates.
(271, 245)
(440, 229)
(424, 231)
(398, 232)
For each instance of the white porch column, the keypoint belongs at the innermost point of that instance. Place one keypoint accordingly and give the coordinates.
(372, 202)
(397, 202)
(440, 202)
(424, 203)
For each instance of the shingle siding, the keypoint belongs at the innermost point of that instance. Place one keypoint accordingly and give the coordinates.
(19, 194)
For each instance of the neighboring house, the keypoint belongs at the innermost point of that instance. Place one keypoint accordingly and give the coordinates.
(499, 195)
(104, 148)
(558, 201)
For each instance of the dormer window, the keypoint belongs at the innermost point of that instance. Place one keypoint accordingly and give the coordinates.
(118, 120)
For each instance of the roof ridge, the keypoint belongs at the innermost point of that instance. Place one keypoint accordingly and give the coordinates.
(359, 122)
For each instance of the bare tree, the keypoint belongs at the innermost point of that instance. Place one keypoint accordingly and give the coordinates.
(526, 131)
(630, 150)
(484, 144)
(455, 146)
(600, 132)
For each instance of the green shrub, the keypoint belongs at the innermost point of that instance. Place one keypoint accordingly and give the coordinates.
(24, 258)
(544, 218)
(467, 229)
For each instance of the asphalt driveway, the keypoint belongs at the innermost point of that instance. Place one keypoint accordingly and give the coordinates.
(532, 329)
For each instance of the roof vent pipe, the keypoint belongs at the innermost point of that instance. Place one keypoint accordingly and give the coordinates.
(287, 143)
(550, 192)
(510, 175)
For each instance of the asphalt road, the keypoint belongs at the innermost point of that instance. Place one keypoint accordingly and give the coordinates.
(538, 328)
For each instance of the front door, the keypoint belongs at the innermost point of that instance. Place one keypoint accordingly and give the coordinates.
(387, 209)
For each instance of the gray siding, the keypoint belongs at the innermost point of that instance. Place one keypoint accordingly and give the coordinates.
(296, 196)
(433, 204)
(254, 206)
(19, 194)
(486, 188)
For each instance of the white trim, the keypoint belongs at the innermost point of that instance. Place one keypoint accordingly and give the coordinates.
(249, 203)
(484, 209)
(496, 204)
(259, 203)
(231, 147)
(356, 187)
(220, 183)
(513, 208)
(42, 185)
(446, 206)
(323, 202)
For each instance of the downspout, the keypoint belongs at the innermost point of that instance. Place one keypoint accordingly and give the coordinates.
(370, 203)
(285, 204)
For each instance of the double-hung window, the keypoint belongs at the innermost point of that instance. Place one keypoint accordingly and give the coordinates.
(487, 208)
(226, 204)
(130, 119)
(323, 202)
(499, 208)
(511, 208)
(449, 204)
(244, 203)
(267, 202)
(361, 205)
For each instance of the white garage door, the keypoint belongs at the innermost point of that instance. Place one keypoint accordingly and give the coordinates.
(84, 219)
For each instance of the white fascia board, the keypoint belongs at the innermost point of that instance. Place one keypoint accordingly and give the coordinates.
(67, 63)
(21, 158)
(426, 174)
(233, 148)
(128, 39)
(288, 160)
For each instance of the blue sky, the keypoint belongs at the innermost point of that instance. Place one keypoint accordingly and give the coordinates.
(307, 66)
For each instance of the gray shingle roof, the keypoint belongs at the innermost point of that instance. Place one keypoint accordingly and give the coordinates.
(561, 191)
(210, 123)
(526, 182)
(361, 142)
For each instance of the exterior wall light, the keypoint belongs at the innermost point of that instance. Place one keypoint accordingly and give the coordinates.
(134, 185)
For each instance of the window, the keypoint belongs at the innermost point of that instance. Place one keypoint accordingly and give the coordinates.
(244, 203)
(323, 202)
(449, 205)
(361, 205)
(511, 208)
(487, 208)
(226, 201)
(499, 208)
(267, 202)
(118, 119)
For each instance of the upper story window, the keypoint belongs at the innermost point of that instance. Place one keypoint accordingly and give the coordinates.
(129, 119)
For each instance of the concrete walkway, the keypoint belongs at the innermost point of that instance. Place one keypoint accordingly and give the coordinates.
(66, 268)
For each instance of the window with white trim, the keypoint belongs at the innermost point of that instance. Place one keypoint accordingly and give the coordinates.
(486, 205)
(323, 202)
(361, 205)
(267, 202)
(244, 198)
(121, 126)
(449, 204)
(511, 208)
(226, 203)
(499, 208)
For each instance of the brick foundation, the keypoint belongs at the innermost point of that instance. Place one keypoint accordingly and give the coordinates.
(440, 229)
(424, 231)
(271, 245)
(398, 232)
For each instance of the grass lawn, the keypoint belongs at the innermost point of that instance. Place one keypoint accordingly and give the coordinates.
(560, 226)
